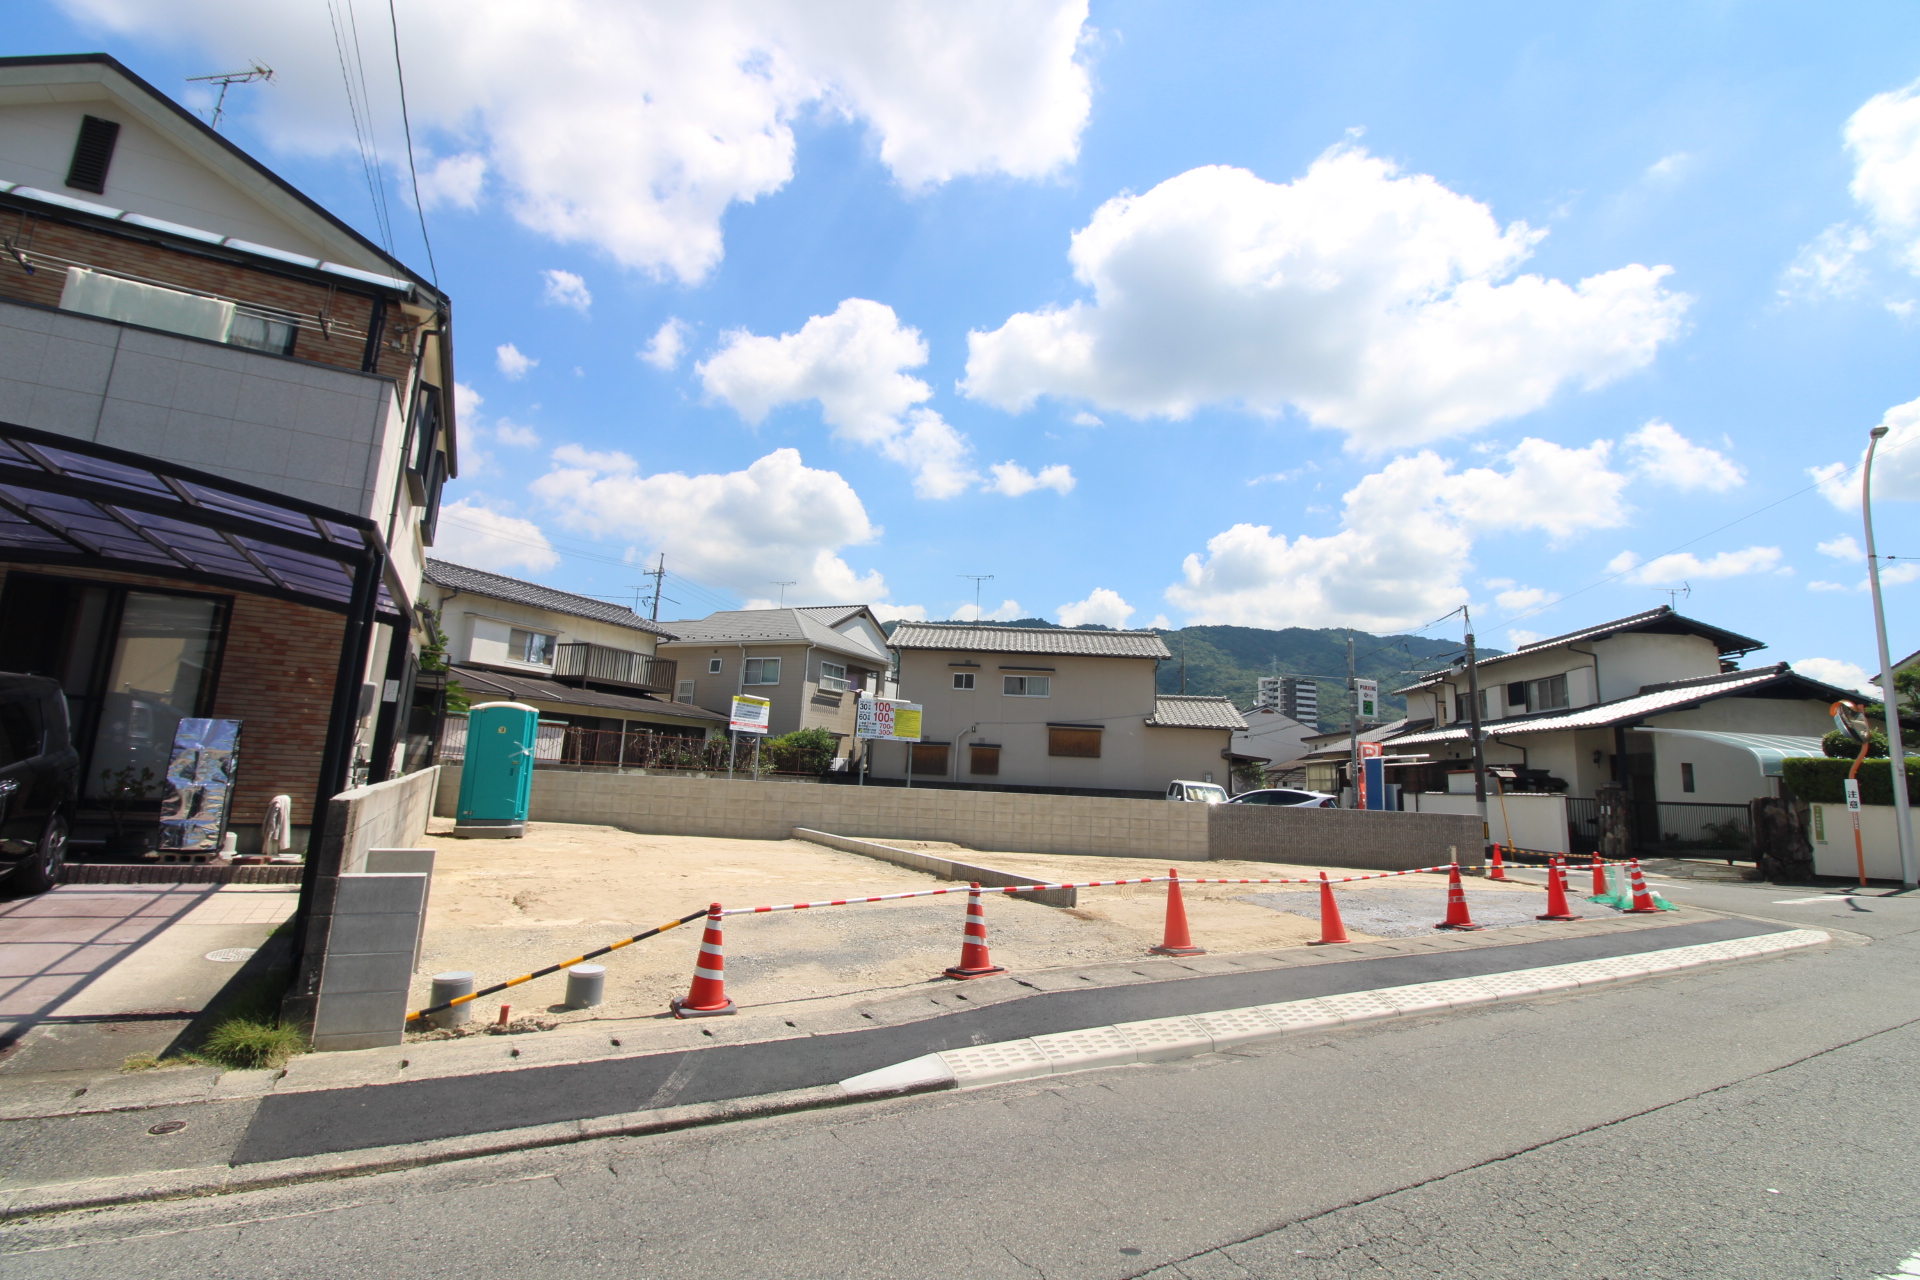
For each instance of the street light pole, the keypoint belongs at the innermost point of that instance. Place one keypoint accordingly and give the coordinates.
(1353, 725)
(1479, 748)
(1890, 696)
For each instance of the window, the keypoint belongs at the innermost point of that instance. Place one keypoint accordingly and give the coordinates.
(833, 677)
(532, 647)
(763, 671)
(929, 759)
(1686, 777)
(1027, 686)
(983, 761)
(1549, 694)
(713, 666)
(683, 692)
(963, 680)
(260, 332)
(92, 153)
(1081, 743)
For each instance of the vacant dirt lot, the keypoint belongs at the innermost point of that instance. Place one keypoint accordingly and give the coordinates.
(502, 908)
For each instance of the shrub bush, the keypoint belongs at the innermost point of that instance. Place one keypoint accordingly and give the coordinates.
(1818, 781)
(1841, 747)
(802, 751)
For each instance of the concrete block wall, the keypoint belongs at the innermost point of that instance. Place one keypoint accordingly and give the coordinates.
(987, 820)
(387, 815)
(369, 961)
(408, 860)
(1371, 841)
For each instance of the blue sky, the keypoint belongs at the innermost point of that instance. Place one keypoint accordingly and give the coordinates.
(1271, 315)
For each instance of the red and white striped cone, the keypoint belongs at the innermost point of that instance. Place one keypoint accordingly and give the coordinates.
(1332, 928)
(1599, 876)
(1642, 900)
(1499, 871)
(1174, 939)
(974, 960)
(707, 998)
(1557, 906)
(1457, 917)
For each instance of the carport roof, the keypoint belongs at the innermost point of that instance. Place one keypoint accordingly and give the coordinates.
(1769, 749)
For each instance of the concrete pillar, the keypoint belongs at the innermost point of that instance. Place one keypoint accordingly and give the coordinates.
(586, 985)
(451, 986)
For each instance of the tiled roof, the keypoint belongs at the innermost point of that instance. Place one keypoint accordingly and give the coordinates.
(773, 626)
(479, 582)
(1651, 700)
(533, 689)
(1064, 642)
(1663, 620)
(1190, 711)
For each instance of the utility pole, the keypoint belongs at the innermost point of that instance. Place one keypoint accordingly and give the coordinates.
(1183, 662)
(658, 573)
(978, 578)
(783, 591)
(1889, 694)
(1353, 725)
(1479, 748)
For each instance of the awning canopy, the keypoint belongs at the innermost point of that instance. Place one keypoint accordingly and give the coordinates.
(1768, 749)
(68, 501)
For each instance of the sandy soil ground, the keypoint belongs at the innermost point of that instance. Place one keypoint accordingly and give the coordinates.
(502, 908)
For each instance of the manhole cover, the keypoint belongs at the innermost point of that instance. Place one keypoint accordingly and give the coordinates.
(170, 1126)
(231, 955)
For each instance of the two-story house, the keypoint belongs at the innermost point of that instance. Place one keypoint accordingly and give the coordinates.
(811, 664)
(1654, 702)
(586, 664)
(225, 420)
(1051, 709)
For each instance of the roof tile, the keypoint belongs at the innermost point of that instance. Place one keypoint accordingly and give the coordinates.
(965, 636)
(499, 587)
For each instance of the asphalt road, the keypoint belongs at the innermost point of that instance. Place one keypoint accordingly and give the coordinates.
(1756, 1120)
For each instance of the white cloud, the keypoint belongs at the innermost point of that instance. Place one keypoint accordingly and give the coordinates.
(1819, 585)
(1405, 544)
(511, 363)
(1884, 137)
(1101, 606)
(1375, 302)
(1664, 456)
(1622, 562)
(1896, 464)
(507, 431)
(777, 519)
(900, 613)
(482, 538)
(1841, 548)
(1007, 612)
(668, 344)
(1835, 671)
(1684, 566)
(1085, 419)
(565, 289)
(1829, 266)
(1015, 480)
(1519, 637)
(1161, 622)
(632, 125)
(1521, 598)
(1670, 166)
(453, 181)
(852, 362)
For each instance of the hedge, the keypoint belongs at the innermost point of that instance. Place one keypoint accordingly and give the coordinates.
(1817, 780)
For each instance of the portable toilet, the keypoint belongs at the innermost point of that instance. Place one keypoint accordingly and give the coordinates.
(496, 779)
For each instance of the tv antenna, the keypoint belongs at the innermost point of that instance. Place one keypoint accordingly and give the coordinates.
(978, 578)
(1675, 595)
(226, 80)
(783, 591)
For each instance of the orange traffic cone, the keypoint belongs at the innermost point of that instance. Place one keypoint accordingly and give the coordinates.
(1499, 871)
(1642, 900)
(974, 961)
(1332, 928)
(707, 998)
(1176, 941)
(1457, 917)
(1599, 876)
(1557, 908)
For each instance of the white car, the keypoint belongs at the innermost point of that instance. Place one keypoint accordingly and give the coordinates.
(1197, 792)
(1289, 797)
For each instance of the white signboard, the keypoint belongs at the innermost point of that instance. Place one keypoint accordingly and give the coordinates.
(750, 714)
(887, 721)
(1369, 691)
(1853, 793)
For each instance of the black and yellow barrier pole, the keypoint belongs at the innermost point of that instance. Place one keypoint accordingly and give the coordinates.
(689, 918)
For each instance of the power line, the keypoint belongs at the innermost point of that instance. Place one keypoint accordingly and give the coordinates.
(362, 133)
(400, 74)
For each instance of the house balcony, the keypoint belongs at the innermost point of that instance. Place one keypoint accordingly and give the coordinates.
(579, 663)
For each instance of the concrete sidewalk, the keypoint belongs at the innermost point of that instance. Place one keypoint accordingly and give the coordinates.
(335, 1114)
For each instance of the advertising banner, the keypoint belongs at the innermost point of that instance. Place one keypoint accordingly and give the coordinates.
(886, 721)
(750, 715)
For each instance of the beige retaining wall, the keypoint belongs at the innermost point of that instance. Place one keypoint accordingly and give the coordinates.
(1010, 821)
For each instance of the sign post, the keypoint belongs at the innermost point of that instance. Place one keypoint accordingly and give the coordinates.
(750, 715)
(1369, 691)
(1853, 809)
(887, 720)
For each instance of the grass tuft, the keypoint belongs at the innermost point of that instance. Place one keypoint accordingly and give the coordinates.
(245, 1043)
(140, 1062)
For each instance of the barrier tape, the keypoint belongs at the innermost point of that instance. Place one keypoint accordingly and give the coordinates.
(689, 918)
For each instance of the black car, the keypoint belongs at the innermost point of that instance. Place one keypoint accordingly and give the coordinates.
(39, 777)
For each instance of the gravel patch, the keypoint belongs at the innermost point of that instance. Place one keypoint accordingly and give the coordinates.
(1408, 911)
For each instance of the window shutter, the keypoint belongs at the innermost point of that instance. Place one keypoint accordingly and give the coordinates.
(1081, 743)
(92, 154)
(985, 761)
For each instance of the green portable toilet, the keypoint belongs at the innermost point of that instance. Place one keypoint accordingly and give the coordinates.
(496, 779)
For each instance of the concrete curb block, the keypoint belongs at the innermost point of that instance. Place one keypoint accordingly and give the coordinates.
(933, 864)
(1164, 1039)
